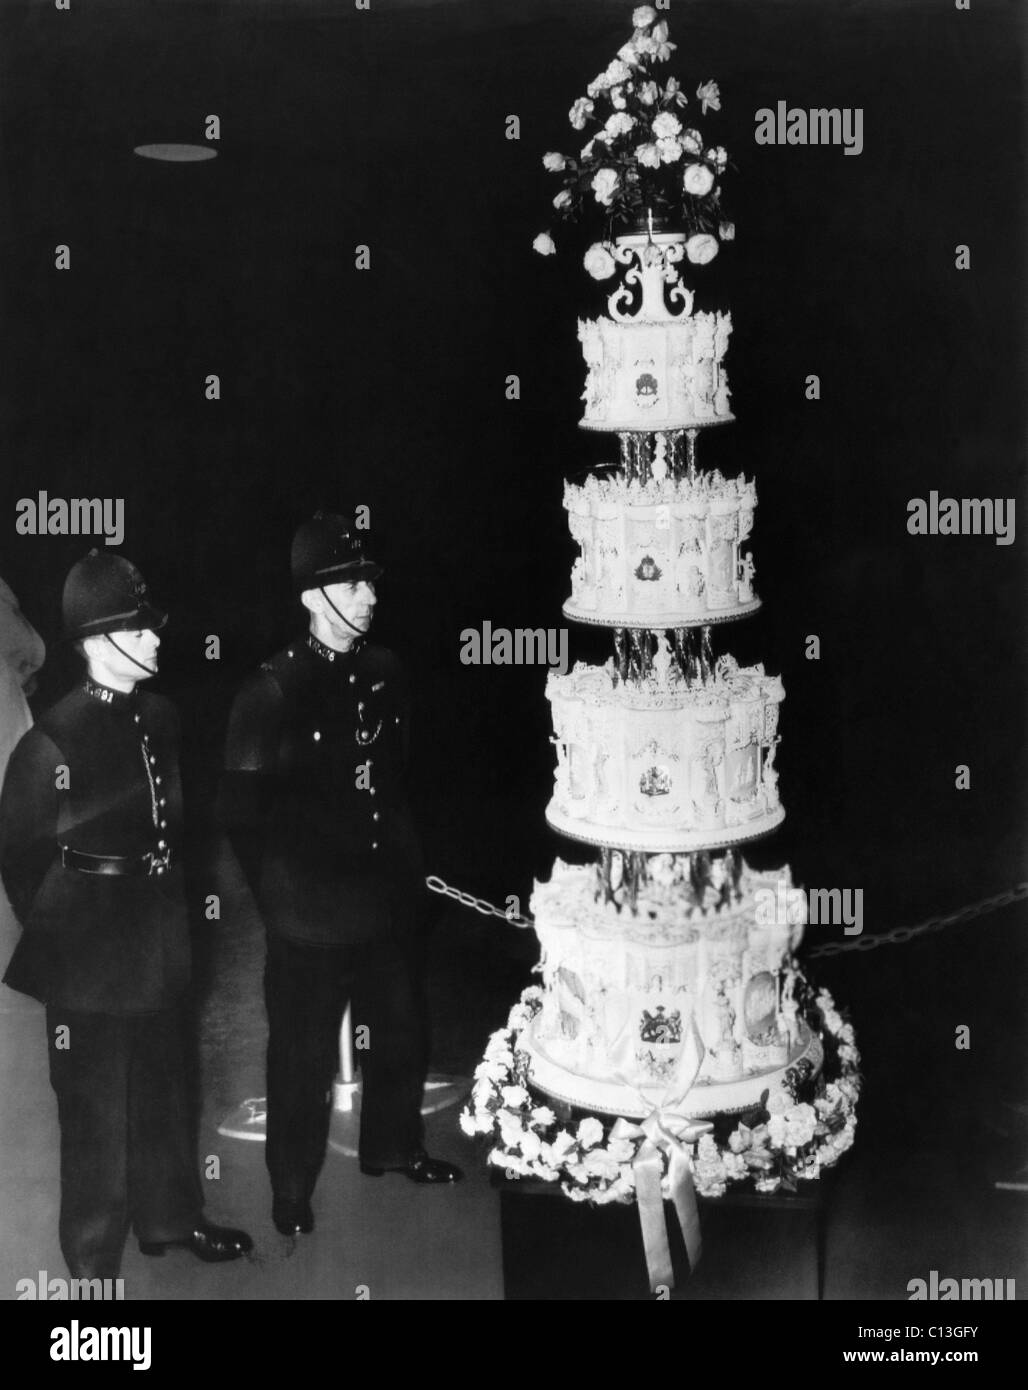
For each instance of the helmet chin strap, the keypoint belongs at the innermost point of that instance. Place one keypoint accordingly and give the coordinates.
(150, 670)
(359, 631)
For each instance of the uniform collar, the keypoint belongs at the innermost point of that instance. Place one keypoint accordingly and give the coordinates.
(117, 699)
(328, 654)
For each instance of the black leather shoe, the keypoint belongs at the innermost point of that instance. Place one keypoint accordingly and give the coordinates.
(421, 1168)
(212, 1244)
(292, 1218)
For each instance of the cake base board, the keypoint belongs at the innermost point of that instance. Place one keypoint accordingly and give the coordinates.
(654, 622)
(705, 1098)
(653, 427)
(662, 841)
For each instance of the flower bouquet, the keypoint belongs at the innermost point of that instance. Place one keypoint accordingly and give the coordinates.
(645, 164)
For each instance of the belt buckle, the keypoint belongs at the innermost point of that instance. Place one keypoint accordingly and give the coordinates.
(157, 861)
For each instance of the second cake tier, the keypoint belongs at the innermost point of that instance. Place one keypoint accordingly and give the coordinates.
(660, 764)
(661, 554)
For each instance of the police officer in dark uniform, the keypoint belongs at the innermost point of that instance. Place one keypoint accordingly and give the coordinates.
(90, 820)
(313, 798)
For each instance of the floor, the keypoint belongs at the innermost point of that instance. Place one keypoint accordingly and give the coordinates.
(914, 1195)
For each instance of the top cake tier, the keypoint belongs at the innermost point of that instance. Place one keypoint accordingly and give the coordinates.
(654, 365)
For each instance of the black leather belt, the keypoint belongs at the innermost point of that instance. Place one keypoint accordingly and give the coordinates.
(117, 865)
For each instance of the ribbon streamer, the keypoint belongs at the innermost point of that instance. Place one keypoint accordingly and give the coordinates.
(666, 1131)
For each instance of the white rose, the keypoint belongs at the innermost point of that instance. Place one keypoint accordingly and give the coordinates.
(599, 1164)
(599, 262)
(617, 98)
(590, 1132)
(664, 49)
(718, 156)
(779, 1103)
(561, 1145)
(648, 93)
(544, 245)
(543, 1115)
(604, 185)
(726, 231)
(701, 248)
(778, 1130)
(617, 72)
(554, 162)
(666, 124)
(582, 109)
(531, 1145)
(691, 141)
(710, 96)
(735, 1166)
(738, 1142)
(495, 1071)
(562, 200)
(621, 1150)
(801, 1120)
(619, 124)
(644, 16)
(628, 54)
(648, 156)
(697, 180)
(670, 149)
(514, 1096)
(468, 1122)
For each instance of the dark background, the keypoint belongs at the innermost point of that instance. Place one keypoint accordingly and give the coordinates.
(386, 387)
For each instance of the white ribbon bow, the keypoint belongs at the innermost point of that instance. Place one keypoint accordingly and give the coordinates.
(666, 1131)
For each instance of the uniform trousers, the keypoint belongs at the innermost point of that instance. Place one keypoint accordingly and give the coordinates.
(307, 988)
(128, 1155)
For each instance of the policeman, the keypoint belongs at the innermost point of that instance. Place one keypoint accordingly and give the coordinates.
(90, 819)
(313, 798)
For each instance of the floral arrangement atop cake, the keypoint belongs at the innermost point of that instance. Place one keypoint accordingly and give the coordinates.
(791, 1137)
(646, 158)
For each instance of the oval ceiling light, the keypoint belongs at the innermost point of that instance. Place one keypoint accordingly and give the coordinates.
(176, 154)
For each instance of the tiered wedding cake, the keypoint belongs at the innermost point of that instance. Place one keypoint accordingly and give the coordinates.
(655, 970)
(670, 991)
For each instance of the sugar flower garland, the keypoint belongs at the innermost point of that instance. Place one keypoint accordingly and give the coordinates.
(791, 1139)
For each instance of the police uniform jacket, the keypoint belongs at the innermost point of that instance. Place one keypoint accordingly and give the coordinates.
(314, 796)
(99, 775)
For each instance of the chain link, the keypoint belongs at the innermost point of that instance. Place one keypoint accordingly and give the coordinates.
(827, 948)
(479, 904)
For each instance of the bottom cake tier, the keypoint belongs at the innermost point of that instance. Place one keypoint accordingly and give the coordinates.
(791, 1134)
(672, 1016)
(684, 983)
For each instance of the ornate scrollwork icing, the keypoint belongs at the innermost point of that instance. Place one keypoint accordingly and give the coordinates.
(652, 272)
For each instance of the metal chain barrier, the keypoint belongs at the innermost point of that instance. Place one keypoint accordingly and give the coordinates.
(827, 948)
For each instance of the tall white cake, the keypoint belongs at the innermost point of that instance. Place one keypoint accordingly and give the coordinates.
(671, 1024)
